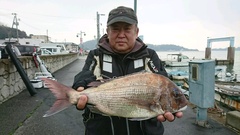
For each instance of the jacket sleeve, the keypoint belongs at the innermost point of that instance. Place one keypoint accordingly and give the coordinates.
(84, 77)
(157, 63)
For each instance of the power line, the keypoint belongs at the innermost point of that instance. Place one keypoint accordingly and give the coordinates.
(54, 16)
(29, 25)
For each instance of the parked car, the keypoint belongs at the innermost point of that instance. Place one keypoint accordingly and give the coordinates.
(4, 54)
(46, 52)
(27, 50)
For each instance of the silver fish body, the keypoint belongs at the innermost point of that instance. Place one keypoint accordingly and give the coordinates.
(141, 95)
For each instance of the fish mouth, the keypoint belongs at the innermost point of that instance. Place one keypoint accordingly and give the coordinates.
(183, 108)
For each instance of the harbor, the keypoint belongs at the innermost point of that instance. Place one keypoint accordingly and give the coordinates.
(223, 109)
(49, 50)
(226, 85)
(227, 76)
(218, 116)
(24, 112)
(221, 94)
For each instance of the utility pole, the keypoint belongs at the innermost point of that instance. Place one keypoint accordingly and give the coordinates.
(15, 22)
(81, 34)
(47, 36)
(98, 25)
(135, 6)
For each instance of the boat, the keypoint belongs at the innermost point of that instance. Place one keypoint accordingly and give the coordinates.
(177, 60)
(178, 75)
(183, 74)
(218, 70)
(228, 95)
(53, 48)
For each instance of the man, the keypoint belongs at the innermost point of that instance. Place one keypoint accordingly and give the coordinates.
(120, 52)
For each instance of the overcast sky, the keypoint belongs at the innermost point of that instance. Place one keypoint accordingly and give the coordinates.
(187, 23)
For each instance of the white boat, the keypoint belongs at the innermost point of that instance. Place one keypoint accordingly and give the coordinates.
(53, 48)
(178, 75)
(228, 95)
(177, 60)
(218, 70)
(183, 74)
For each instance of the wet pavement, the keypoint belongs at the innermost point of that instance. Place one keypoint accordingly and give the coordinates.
(22, 114)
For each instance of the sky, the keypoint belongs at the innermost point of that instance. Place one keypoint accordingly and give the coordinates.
(186, 23)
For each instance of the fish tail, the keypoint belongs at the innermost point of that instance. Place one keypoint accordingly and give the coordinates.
(60, 92)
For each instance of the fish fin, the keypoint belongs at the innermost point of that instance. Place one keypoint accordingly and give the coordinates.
(60, 92)
(94, 109)
(97, 83)
(183, 108)
(58, 106)
(156, 108)
(102, 81)
(139, 119)
(94, 84)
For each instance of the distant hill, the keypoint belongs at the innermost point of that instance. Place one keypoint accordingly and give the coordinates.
(89, 45)
(225, 49)
(6, 32)
(169, 47)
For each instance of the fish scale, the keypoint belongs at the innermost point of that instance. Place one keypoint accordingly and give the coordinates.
(141, 95)
(125, 101)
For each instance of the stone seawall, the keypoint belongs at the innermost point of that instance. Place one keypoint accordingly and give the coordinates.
(11, 82)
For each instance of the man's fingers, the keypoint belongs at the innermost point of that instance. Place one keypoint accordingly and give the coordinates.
(161, 118)
(79, 89)
(82, 102)
(179, 114)
(169, 116)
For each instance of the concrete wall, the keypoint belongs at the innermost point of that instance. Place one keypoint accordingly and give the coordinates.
(11, 83)
(232, 119)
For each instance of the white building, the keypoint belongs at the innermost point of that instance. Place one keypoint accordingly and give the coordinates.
(26, 41)
(45, 38)
(29, 41)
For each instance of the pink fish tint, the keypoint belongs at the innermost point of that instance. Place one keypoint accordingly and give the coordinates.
(138, 96)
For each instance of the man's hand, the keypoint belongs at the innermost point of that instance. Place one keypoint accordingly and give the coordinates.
(169, 116)
(82, 100)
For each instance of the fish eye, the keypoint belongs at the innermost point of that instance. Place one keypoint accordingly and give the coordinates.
(176, 92)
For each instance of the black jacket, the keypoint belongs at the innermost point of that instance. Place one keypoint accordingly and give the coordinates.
(104, 63)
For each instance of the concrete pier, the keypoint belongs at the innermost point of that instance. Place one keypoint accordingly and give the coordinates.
(208, 53)
(230, 54)
(233, 119)
(228, 61)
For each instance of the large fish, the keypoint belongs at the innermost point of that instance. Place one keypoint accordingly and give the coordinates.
(138, 96)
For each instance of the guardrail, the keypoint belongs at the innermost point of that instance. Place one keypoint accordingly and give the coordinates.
(11, 83)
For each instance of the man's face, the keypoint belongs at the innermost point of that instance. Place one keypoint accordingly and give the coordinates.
(122, 36)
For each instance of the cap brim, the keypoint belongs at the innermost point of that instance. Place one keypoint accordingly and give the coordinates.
(122, 19)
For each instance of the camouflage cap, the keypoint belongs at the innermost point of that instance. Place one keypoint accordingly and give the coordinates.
(122, 14)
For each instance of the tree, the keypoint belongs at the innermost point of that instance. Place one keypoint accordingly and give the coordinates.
(6, 32)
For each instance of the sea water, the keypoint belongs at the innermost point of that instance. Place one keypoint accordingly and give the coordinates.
(222, 55)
